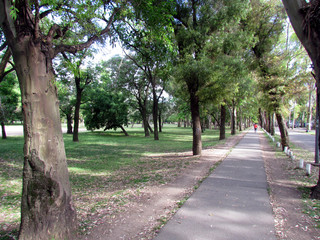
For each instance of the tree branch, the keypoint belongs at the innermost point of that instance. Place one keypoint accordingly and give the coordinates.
(5, 59)
(3, 46)
(75, 48)
(2, 76)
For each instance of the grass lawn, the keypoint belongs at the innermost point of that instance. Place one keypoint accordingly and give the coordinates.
(103, 167)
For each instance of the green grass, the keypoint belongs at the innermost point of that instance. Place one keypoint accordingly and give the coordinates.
(96, 164)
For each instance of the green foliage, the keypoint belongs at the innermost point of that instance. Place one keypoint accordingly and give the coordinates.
(9, 99)
(106, 110)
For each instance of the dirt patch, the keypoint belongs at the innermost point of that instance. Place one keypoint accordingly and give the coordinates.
(149, 207)
(290, 222)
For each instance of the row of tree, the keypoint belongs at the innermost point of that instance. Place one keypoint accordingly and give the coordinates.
(210, 56)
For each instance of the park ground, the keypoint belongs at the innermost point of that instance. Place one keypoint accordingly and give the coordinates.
(141, 199)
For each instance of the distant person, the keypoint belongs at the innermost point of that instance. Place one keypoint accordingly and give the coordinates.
(255, 127)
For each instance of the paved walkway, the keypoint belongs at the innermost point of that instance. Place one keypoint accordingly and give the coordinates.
(231, 204)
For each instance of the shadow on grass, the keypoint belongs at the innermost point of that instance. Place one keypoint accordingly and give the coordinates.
(105, 161)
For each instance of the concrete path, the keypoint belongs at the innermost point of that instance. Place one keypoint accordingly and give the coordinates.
(231, 204)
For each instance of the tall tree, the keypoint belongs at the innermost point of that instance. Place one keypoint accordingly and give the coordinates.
(34, 40)
(131, 79)
(150, 40)
(304, 17)
(82, 78)
(197, 23)
(266, 21)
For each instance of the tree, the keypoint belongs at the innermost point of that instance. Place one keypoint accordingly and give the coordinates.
(126, 75)
(197, 23)
(82, 79)
(66, 100)
(150, 40)
(34, 40)
(8, 101)
(304, 18)
(106, 109)
(266, 21)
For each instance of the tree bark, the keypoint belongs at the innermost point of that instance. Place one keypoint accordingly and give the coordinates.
(69, 123)
(77, 109)
(47, 210)
(196, 124)
(155, 113)
(160, 122)
(223, 122)
(272, 128)
(145, 123)
(3, 129)
(283, 131)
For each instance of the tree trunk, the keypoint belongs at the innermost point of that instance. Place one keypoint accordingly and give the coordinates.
(3, 129)
(149, 127)
(223, 122)
(155, 114)
(209, 122)
(145, 123)
(283, 131)
(179, 122)
(240, 120)
(196, 123)
(77, 110)
(160, 122)
(260, 117)
(272, 127)
(47, 210)
(69, 123)
(233, 119)
(309, 118)
(124, 131)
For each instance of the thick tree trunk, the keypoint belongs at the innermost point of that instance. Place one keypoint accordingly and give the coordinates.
(196, 124)
(179, 122)
(3, 129)
(223, 122)
(283, 131)
(272, 127)
(77, 110)
(46, 208)
(69, 123)
(316, 189)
